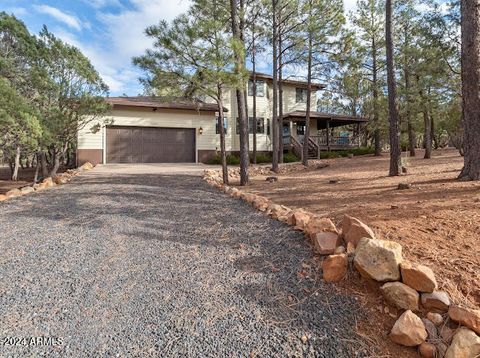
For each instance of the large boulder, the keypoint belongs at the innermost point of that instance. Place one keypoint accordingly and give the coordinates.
(353, 230)
(48, 182)
(335, 267)
(317, 224)
(465, 344)
(326, 242)
(418, 277)
(27, 190)
(260, 203)
(408, 330)
(86, 166)
(437, 301)
(13, 193)
(466, 317)
(301, 218)
(400, 295)
(275, 210)
(378, 259)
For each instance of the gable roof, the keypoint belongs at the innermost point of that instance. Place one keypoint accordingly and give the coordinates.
(163, 102)
(297, 83)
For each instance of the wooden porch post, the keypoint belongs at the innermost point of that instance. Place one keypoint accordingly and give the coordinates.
(328, 135)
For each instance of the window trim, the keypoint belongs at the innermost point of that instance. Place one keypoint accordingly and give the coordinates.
(217, 123)
(260, 84)
(304, 91)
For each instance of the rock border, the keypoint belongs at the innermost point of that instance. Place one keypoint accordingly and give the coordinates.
(406, 285)
(49, 182)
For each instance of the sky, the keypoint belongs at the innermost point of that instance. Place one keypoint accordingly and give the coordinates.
(108, 32)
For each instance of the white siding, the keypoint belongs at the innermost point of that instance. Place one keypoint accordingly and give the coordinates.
(161, 118)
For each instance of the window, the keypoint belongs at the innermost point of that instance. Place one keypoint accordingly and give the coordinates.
(300, 129)
(260, 88)
(260, 126)
(301, 95)
(217, 125)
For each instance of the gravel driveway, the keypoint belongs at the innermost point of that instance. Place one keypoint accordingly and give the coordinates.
(145, 265)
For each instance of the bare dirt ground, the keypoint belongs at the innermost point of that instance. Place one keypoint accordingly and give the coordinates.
(25, 177)
(437, 221)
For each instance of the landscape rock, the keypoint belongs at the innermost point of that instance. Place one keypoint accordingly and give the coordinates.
(48, 182)
(465, 344)
(431, 329)
(3, 197)
(340, 250)
(260, 203)
(441, 349)
(437, 301)
(350, 248)
(353, 230)
(400, 295)
(408, 330)
(301, 218)
(436, 318)
(59, 180)
(427, 350)
(335, 267)
(290, 218)
(418, 277)
(326, 242)
(13, 193)
(316, 225)
(446, 333)
(466, 317)
(27, 190)
(378, 259)
(86, 166)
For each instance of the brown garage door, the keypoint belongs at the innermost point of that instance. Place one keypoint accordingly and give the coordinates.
(150, 145)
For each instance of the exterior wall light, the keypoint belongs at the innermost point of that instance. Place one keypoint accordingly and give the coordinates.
(200, 130)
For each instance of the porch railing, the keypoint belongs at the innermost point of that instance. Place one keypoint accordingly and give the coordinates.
(336, 142)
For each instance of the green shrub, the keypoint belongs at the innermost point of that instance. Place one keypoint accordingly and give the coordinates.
(262, 158)
(290, 158)
(231, 160)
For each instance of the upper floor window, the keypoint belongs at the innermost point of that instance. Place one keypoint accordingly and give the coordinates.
(217, 125)
(260, 88)
(301, 95)
(260, 126)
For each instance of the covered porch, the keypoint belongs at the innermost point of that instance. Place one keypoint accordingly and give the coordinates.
(327, 132)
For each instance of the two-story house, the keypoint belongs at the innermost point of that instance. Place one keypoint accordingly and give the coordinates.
(155, 130)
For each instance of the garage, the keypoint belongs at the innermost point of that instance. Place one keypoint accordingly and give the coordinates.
(128, 144)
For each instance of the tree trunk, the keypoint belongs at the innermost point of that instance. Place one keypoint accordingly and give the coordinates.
(221, 124)
(395, 150)
(43, 164)
(376, 135)
(470, 24)
(410, 129)
(56, 165)
(254, 98)
(37, 169)
(435, 143)
(427, 134)
(16, 163)
(280, 100)
(274, 89)
(309, 95)
(241, 100)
